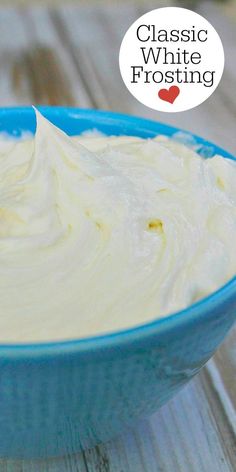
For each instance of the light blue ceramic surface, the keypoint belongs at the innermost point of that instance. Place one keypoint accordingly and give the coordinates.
(58, 397)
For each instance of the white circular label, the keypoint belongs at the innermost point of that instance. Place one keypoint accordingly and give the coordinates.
(171, 59)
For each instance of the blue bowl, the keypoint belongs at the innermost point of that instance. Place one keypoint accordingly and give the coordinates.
(57, 398)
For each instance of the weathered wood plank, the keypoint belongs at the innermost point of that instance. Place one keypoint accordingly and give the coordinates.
(10, 51)
(225, 359)
(82, 60)
(182, 436)
(106, 75)
(36, 68)
(195, 431)
(62, 83)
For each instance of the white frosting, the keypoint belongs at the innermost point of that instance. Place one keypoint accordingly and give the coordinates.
(101, 233)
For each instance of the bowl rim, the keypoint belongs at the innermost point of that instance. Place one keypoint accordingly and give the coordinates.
(189, 315)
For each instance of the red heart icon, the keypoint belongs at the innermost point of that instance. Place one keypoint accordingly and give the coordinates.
(169, 95)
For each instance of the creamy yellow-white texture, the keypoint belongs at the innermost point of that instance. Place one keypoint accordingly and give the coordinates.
(102, 233)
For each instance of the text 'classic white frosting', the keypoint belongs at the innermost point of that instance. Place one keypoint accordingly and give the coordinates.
(102, 233)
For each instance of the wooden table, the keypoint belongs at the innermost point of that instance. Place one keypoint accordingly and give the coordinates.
(69, 56)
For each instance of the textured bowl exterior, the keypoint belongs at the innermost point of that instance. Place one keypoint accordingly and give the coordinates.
(57, 398)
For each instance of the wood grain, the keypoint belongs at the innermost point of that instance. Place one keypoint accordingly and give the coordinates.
(68, 55)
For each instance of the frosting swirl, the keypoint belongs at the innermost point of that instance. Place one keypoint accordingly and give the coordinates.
(100, 233)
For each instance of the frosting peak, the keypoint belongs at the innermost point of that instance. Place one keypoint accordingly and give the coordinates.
(100, 233)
